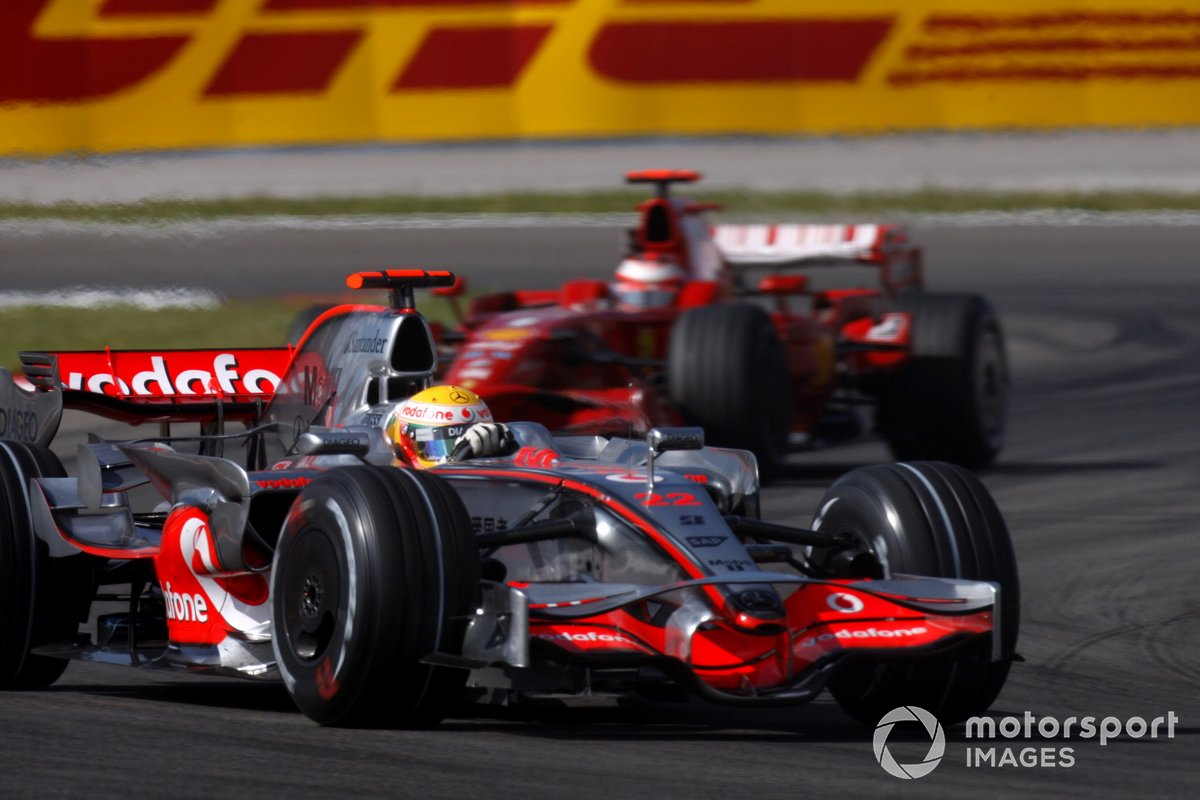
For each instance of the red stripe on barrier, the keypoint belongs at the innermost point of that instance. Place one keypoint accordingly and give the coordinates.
(1118, 19)
(1063, 45)
(689, 2)
(1154, 72)
(472, 58)
(774, 50)
(342, 5)
(269, 63)
(120, 8)
(57, 70)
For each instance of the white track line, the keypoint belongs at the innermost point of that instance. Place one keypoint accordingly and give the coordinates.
(93, 297)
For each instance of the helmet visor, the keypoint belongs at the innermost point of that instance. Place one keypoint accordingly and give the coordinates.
(433, 444)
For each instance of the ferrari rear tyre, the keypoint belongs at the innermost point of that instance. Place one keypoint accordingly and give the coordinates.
(950, 401)
(934, 519)
(42, 599)
(375, 569)
(728, 372)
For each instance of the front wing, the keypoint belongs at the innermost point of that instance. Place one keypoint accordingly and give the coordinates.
(676, 628)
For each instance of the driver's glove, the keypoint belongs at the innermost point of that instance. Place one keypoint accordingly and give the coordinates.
(483, 439)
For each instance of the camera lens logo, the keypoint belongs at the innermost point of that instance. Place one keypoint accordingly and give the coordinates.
(937, 746)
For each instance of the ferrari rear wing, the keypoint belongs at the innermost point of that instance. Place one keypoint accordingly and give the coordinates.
(137, 386)
(751, 246)
(887, 247)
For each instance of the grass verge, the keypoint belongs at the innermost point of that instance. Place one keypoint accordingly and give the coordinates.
(924, 201)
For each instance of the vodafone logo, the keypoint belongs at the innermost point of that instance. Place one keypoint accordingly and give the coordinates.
(844, 603)
(185, 607)
(591, 636)
(144, 375)
(843, 635)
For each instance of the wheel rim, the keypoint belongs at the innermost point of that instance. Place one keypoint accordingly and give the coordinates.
(991, 385)
(311, 595)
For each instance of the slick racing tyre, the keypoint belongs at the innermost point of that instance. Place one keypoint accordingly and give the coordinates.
(933, 519)
(727, 371)
(375, 569)
(949, 402)
(42, 599)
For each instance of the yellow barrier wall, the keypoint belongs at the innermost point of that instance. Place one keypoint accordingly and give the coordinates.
(107, 75)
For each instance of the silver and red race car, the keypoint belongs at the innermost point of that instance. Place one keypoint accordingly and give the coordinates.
(296, 549)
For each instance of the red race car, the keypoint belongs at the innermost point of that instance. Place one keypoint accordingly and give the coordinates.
(683, 336)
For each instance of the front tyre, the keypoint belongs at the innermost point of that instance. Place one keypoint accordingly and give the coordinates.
(375, 569)
(931, 519)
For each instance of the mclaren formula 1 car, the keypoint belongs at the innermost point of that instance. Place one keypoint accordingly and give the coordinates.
(279, 540)
(684, 335)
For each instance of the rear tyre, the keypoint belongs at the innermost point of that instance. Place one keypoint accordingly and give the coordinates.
(728, 372)
(937, 520)
(42, 599)
(376, 569)
(950, 401)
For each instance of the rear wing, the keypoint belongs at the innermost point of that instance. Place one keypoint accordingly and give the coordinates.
(810, 245)
(774, 246)
(161, 385)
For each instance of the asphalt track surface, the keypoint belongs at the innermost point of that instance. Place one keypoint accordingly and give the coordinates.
(1099, 484)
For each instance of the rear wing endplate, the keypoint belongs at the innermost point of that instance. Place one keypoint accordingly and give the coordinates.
(27, 414)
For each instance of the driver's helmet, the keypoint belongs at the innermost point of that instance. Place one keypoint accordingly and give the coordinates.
(648, 281)
(424, 429)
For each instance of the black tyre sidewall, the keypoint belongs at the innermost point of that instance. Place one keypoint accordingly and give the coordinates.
(949, 401)
(402, 559)
(727, 371)
(42, 599)
(932, 519)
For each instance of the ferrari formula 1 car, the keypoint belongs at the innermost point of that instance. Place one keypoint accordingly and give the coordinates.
(296, 549)
(683, 336)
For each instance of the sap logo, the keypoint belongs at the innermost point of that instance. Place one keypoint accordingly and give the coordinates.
(185, 607)
(705, 541)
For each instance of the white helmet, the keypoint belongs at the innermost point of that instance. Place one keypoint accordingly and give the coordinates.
(648, 281)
